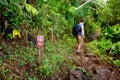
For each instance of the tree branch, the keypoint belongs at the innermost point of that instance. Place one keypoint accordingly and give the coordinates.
(83, 4)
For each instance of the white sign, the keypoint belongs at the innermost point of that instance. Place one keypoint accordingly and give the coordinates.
(40, 41)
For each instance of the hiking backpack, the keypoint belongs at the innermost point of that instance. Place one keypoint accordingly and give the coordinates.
(75, 29)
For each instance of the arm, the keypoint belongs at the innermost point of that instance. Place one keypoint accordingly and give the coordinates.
(82, 30)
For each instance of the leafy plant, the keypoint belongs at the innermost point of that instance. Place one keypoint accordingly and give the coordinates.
(100, 46)
(117, 63)
(112, 33)
(30, 9)
(116, 48)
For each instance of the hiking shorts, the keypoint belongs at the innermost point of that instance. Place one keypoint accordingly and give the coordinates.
(79, 38)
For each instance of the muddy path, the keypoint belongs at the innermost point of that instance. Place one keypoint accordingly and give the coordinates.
(94, 66)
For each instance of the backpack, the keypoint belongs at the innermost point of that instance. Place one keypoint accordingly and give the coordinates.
(75, 30)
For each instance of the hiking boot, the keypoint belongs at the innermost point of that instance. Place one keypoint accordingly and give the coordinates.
(78, 52)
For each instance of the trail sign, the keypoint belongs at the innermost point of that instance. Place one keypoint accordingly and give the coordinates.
(40, 41)
(40, 45)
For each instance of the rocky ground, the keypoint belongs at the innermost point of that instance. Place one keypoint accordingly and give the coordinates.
(91, 67)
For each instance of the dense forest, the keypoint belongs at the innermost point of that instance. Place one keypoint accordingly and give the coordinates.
(22, 20)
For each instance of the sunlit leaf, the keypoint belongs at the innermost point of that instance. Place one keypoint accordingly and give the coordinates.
(72, 10)
(16, 33)
(30, 9)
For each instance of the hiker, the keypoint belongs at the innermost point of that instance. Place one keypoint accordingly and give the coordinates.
(79, 34)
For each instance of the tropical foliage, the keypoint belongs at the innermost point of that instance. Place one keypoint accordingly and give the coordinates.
(54, 19)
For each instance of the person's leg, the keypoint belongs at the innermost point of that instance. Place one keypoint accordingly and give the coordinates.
(80, 42)
(77, 42)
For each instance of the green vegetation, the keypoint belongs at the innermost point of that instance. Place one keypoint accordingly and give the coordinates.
(54, 20)
(108, 45)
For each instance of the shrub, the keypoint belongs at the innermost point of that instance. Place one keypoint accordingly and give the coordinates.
(117, 63)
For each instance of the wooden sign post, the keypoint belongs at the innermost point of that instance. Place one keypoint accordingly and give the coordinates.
(40, 45)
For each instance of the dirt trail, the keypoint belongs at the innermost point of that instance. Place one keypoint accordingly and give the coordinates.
(95, 66)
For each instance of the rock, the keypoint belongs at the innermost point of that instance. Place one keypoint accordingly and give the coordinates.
(94, 36)
(102, 74)
(76, 74)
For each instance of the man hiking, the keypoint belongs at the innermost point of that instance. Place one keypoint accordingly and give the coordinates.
(78, 32)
